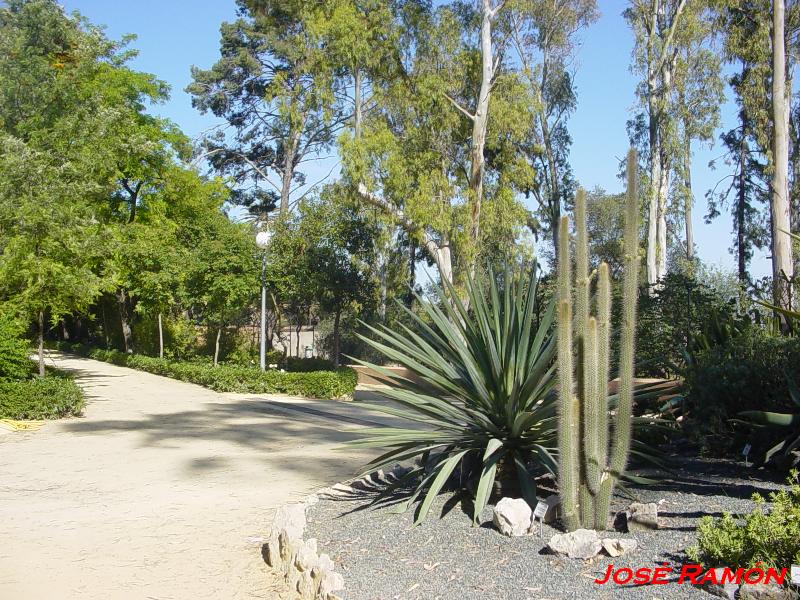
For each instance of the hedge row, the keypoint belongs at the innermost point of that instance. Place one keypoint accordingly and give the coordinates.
(232, 378)
(50, 397)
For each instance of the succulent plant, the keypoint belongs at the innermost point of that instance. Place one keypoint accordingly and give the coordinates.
(592, 450)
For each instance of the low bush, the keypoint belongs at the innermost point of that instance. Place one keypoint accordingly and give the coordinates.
(14, 349)
(746, 373)
(233, 378)
(50, 397)
(770, 536)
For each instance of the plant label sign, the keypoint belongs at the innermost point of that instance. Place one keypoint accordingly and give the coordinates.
(538, 513)
(541, 509)
(796, 574)
(746, 449)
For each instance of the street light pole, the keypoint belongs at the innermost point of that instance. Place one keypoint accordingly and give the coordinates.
(262, 241)
(263, 348)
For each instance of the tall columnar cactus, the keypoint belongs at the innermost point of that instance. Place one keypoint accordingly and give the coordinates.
(593, 451)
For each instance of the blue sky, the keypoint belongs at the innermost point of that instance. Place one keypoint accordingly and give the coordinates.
(173, 35)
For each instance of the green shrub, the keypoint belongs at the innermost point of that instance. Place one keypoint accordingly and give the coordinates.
(746, 373)
(669, 319)
(233, 378)
(770, 536)
(14, 349)
(51, 397)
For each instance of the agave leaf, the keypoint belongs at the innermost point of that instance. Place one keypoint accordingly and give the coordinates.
(771, 419)
(526, 483)
(443, 470)
(490, 459)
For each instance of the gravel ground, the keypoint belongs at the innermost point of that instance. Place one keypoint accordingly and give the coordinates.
(382, 557)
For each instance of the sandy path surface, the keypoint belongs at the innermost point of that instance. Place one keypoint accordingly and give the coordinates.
(163, 490)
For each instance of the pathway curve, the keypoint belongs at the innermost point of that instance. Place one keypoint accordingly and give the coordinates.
(163, 490)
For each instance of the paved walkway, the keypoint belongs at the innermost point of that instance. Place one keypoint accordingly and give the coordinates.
(163, 490)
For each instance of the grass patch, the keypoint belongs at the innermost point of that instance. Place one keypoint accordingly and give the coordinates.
(51, 397)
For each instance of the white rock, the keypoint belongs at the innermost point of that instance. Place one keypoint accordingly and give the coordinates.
(292, 519)
(581, 543)
(512, 516)
(306, 557)
(324, 561)
(330, 582)
(618, 547)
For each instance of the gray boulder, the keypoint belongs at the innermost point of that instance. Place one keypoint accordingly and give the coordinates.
(764, 591)
(581, 543)
(642, 517)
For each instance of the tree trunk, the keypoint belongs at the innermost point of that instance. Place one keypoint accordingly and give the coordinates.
(160, 337)
(357, 76)
(124, 317)
(297, 330)
(480, 122)
(288, 172)
(687, 184)
(655, 180)
(383, 278)
(412, 271)
(663, 192)
(41, 343)
(741, 202)
(216, 346)
(782, 264)
(554, 193)
(64, 330)
(336, 337)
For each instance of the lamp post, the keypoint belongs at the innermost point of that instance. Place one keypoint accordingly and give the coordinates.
(262, 241)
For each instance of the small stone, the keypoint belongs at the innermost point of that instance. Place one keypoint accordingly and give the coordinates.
(292, 519)
(618, 546)
(512, 516)
(272, 551)
(581, 543)
(338, 490)
(306, 557)
(306, 586)
(642, 517)
(325, 563)
(764, 591)
(330, 582)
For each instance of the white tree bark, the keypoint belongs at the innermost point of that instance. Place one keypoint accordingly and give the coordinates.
(439, 251)
(782, 265)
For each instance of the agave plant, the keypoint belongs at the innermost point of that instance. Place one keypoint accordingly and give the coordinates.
(788, 426)
(485, 403)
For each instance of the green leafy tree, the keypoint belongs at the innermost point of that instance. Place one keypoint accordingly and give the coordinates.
(544, 33)
(274, 86)
(223, 276)
(668, 33)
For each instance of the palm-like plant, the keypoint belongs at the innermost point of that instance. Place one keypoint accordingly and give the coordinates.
(486, 403)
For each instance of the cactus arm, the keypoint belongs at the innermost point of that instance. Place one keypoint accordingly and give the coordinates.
(603, 359)
(622, 423)
(568, 460)
(591, 412)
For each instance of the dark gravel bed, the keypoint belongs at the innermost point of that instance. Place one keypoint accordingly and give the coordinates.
(383, 557)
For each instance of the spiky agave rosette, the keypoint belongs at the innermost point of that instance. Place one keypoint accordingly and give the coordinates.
(487, 394)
